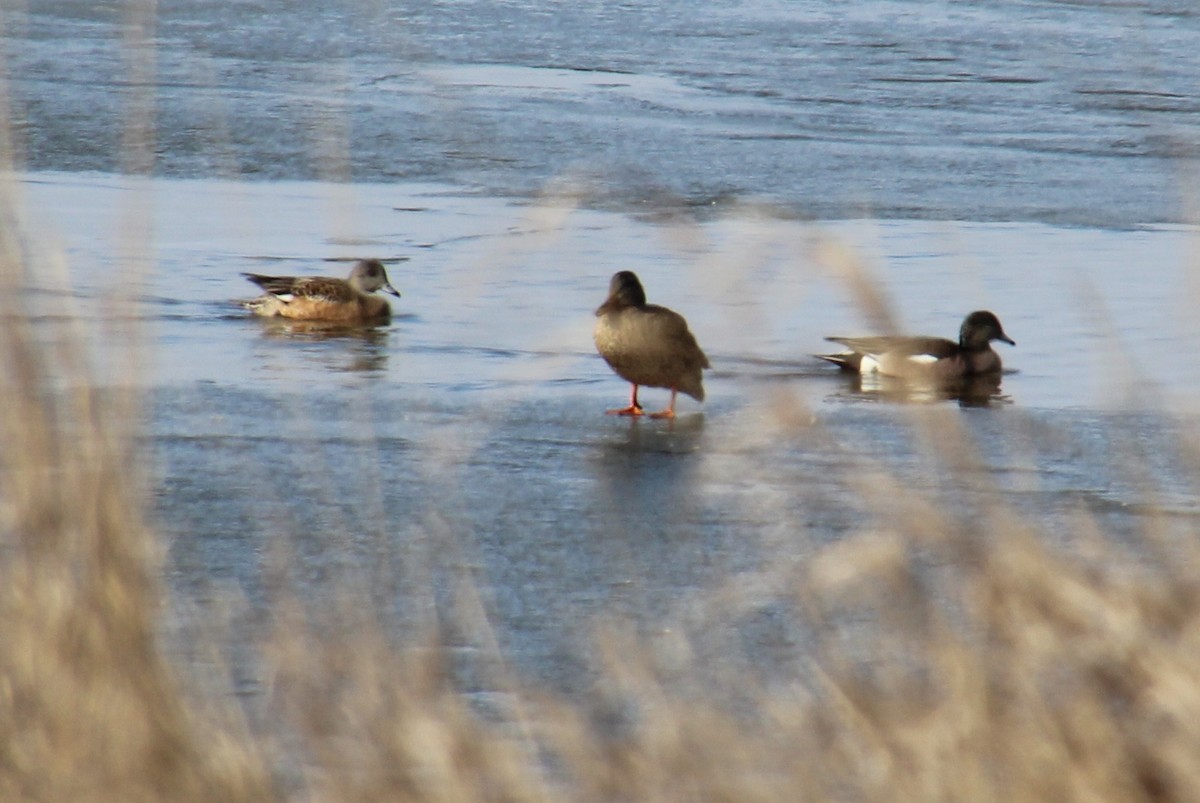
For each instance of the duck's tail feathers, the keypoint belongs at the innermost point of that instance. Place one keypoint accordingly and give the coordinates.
(846, 360)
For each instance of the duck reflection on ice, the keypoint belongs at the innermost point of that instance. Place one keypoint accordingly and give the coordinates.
(362, 347)
(647, 475)
(974, 391)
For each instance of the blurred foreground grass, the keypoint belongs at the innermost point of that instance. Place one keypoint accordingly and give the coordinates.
(1020, 673)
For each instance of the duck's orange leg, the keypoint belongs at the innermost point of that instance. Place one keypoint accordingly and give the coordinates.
(633, 409)
(670, 411)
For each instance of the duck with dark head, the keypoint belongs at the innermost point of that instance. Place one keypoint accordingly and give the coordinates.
(647, 345)
(926, 358)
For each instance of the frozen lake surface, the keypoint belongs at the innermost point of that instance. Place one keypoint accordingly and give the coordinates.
(465, 442)
(757, 164)
(1060, 112)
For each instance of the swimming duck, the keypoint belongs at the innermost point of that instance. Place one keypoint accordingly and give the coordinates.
(926, 357)
(646, 344)
(320, 298)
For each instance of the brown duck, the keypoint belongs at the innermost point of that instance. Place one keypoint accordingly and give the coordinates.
(647, 345)
(320, 298)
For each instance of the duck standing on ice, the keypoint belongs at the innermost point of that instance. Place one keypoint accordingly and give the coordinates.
(646, 344)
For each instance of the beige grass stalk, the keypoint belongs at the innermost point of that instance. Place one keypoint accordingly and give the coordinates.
(89, 709)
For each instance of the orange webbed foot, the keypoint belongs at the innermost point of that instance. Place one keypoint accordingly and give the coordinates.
(632, 410)
(668, 413)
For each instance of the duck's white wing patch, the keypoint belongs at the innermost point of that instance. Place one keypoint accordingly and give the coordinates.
(922, 359)
(869, 364)
(286, 298)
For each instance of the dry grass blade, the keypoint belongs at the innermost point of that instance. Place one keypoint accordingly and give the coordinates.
(89, 708)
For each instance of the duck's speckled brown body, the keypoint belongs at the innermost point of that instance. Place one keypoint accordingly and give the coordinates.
(319, 298)
(646, 344)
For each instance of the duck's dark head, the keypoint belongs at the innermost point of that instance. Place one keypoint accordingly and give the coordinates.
(623, 291)
(979, 329)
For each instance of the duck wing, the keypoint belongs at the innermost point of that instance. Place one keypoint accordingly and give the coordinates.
(680, 341)
(314, 288)
(937, 348)
(275, 285)
(320, 288)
